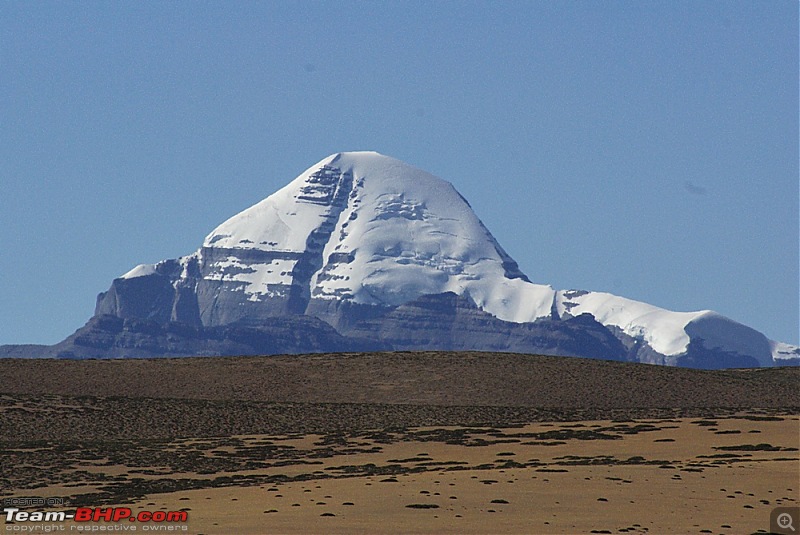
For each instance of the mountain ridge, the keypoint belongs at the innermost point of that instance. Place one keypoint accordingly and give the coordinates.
(359, 235)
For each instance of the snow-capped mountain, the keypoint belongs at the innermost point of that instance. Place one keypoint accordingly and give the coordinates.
(383, 251)
(369, 229)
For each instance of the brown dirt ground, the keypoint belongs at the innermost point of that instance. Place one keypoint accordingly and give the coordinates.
(572, 445)
(420, 378)
(644, 476)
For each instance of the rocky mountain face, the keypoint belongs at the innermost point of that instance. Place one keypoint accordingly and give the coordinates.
(364, 252)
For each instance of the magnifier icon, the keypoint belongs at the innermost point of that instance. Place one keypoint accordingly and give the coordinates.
(785, 521)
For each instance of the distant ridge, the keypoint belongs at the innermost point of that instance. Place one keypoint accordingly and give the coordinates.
(431, 378)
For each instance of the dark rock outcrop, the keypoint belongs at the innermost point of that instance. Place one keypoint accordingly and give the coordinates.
(113, 337)
(451, 322)
(444, 322)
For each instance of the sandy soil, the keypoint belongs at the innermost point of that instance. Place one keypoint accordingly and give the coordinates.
(430, 442)
(645, 476)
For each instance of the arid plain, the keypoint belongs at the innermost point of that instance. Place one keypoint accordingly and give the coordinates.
(406, 443)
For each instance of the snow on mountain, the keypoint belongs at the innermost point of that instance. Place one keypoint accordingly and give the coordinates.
(367, 229)
(663, 330)
(782, 351)
(391, 233)
(666, 332)
(142, 270)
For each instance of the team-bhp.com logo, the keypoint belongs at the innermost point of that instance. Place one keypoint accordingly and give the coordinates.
(117, 514)
(95, 514)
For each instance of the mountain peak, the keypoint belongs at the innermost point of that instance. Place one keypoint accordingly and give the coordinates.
(359, 234)
(368, 228)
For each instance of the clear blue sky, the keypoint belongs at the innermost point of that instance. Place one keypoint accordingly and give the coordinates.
(649, 149)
